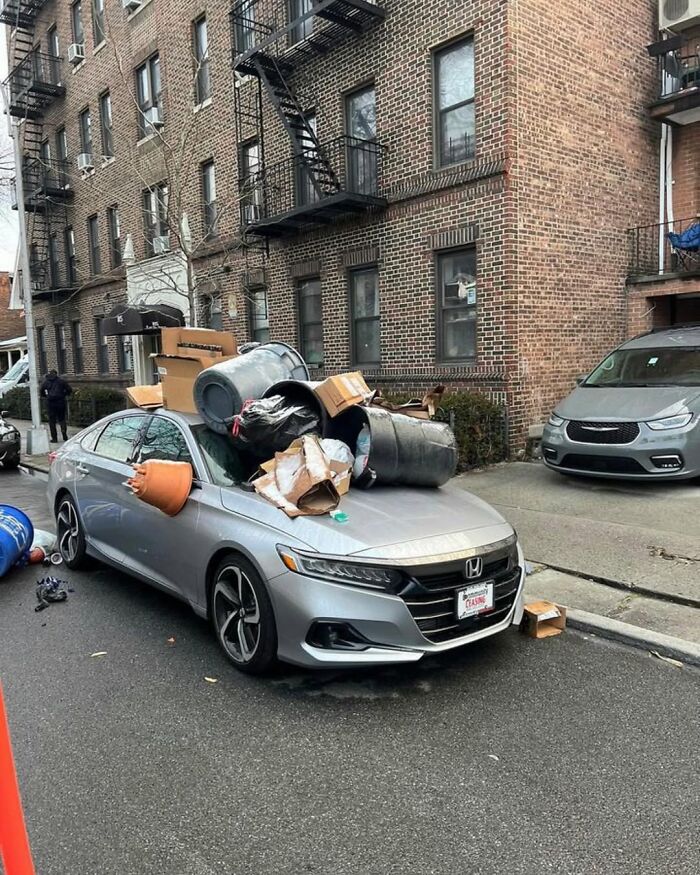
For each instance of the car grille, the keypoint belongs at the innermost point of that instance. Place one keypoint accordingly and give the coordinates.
(432, 600)
(614, 433)
(603, 464)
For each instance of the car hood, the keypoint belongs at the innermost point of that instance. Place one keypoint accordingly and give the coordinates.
(391, 524)
(638, 404)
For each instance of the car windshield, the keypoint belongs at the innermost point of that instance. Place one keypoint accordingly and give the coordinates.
(225, 466)
(15, 371)
(665, 366)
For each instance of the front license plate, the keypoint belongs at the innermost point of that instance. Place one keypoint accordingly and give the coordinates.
(475, 599)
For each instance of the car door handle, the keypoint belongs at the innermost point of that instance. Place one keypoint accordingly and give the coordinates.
(127, 485)
(82, 468)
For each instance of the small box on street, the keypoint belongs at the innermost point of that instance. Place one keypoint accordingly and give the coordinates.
(543, 619)
(341, 391)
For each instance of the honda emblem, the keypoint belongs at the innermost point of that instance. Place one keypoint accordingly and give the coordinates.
(473, 568)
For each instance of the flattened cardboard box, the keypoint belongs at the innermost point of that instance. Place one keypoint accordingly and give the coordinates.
(543, 619)
(146, 397)
(341, 391)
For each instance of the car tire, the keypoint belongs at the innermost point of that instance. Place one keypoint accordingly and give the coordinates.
(242, 616)
(70, 536)
(10, 463)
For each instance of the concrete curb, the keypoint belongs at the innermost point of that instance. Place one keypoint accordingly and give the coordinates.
(666, 645)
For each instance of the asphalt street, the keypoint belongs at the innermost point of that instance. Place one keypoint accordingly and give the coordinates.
(568, 755)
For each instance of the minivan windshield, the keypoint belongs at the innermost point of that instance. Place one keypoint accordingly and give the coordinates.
(664, 366)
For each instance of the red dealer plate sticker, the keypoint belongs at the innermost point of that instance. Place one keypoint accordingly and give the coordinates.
(475, 599)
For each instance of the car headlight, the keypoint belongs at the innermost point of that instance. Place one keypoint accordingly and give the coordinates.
(679, 421)
(340, 571)
(8, 436)
(555, 420)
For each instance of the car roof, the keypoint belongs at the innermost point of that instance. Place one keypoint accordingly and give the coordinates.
(189, 418)
(682, 335)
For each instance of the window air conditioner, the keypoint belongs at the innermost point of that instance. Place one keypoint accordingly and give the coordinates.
(154, 117)
(251, 213)
(131, 5)
(161, 245)
(86, 162)
(678, 14)
(76, 53)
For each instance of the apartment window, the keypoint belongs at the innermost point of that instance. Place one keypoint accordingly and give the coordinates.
(102, 348)
(60, 330)
(69, 244)
(251, 191)
(454, 109)
(202, 81)
(76, 19)
(45, 153)
(41, 349)
(311, 321)
(259, 319)
(98, 21)
(304, 28)
(61, 145)
(307, 180)
(54, 263)
(106, 125)
(457, 305)
(361, 128)
(77, 337)
(209, 199)
(155, 219)
(115, 235)
(148, 96)
(85, 125)
(52, 39)
(245, 26)
(126, 361)
(94, 244)
(364, 305)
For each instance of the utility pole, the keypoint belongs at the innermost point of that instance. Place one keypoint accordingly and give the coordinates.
(37, 436)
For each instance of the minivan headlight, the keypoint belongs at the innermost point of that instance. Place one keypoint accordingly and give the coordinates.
(340, 571)
(679, 421)
(555, 420)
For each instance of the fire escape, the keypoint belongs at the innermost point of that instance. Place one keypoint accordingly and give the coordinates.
(33, 84)
(321, 182)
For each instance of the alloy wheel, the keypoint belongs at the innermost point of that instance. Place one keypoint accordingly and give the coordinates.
(237, 614)
(68, 531)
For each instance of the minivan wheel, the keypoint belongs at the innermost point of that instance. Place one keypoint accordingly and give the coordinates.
(70, 535)
(242, 615)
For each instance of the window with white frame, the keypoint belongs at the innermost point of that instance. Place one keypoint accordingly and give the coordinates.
(155, 219)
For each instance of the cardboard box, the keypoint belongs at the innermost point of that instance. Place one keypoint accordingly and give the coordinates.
(147, 397)
(341, 391)
(543, 619)
(185, 353)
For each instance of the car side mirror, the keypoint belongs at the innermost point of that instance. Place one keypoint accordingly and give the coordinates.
(581, 379)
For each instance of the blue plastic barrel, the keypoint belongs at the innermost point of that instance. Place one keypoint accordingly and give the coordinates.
(16, 536)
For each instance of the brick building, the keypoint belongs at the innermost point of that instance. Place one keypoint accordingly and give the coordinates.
(433, 192)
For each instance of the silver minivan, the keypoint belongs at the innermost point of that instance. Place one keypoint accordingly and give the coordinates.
(637, 415)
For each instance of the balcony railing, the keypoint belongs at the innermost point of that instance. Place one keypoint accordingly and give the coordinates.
(316, 188)
(34, 83)
(20, 13)
(679, 80)
(652, 255)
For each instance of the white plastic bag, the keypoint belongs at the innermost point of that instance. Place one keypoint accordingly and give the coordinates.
(362, 448)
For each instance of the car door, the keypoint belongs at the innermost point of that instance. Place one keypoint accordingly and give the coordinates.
(165, 546)
(103, 501)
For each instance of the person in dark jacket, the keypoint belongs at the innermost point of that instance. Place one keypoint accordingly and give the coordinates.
(56, 390)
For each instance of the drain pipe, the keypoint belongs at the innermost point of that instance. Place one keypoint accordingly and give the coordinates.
(669, 177)
(662, 194)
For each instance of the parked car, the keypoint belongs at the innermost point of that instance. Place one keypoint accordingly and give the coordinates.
(637, 415)
(10, 443)
(413, 571)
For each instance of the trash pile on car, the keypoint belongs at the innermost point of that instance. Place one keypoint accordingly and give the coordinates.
(306, 443)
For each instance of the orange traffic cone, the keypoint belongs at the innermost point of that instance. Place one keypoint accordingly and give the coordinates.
(14, 842)
(163, 484)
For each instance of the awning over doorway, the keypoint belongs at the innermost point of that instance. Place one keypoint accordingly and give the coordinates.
(125, 319)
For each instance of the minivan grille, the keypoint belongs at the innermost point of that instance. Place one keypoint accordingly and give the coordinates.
(602, 432)
(433, 603)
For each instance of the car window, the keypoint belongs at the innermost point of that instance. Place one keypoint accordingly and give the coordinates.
(90, 438)
(662, 366)
(164, 440)
(222, 460)
(117, 440)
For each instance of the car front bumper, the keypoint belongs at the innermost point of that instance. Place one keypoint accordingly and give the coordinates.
(637, 460)
(9, 450)
(381, 618)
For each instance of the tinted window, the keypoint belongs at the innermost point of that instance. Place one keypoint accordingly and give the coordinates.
(663, 366)
(164, 440)
(223, 462)
(117, 439)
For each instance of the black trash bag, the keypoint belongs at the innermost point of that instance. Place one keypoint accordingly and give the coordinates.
(269, 425)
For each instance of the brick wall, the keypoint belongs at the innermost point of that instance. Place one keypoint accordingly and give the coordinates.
(11, 321)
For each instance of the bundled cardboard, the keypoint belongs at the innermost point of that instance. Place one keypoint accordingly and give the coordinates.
(543, 619)
(341, 391)
(186, 352)
(147, 397)
(418, 408)
(302, 480)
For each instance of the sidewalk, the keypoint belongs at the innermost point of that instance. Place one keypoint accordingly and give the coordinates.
(37, 463)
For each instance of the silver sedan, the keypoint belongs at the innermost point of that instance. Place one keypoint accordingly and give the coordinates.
(412, 571)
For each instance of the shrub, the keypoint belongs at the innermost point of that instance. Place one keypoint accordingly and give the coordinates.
(86, 405)
(16, 402)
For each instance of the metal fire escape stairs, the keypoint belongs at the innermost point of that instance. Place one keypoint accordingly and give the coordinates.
(32, 87)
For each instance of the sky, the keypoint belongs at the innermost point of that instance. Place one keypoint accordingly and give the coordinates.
(8, 217)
